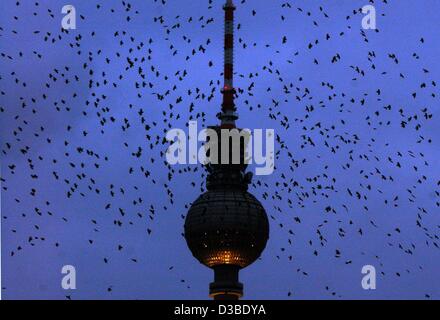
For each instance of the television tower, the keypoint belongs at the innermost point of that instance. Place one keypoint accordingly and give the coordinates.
(226, 227)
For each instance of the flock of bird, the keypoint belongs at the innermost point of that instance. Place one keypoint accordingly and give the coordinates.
(84, 115)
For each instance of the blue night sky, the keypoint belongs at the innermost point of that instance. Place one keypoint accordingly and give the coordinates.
(83, 115)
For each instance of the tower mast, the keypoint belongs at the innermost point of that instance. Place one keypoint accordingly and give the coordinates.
(228, 115)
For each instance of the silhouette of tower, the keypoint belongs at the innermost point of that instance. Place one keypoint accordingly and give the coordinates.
(227, 228)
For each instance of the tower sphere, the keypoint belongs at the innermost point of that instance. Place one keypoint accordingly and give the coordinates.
(226, 227)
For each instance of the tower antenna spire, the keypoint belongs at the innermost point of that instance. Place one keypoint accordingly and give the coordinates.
(228, 115)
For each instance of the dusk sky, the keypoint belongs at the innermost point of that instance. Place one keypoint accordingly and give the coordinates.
(84, 178)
